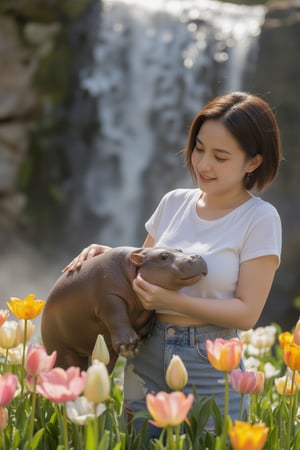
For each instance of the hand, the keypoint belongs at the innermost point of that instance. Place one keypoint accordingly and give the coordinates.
(86, 253)
(152, 296)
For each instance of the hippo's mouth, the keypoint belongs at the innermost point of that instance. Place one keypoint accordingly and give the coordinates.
(193, 277)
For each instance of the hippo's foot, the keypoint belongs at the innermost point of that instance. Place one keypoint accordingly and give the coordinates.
(125, 342)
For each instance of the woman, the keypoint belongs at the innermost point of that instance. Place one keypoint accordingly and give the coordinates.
(233, 148)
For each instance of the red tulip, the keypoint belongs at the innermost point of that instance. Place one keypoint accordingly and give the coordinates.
(60, 385)
(224, 355)
(38, 361)
(169, 408)
(242, 381)
(8, 385)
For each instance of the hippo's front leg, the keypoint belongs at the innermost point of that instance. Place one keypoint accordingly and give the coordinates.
(112, 310)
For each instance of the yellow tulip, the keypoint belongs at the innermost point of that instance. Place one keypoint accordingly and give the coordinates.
(176, 375)
(244, 436)
(285, 338)
(284, 386)
(28, 308)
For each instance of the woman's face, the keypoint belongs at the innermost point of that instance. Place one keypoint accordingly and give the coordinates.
(219, 162)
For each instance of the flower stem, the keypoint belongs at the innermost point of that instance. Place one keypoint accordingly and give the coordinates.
(226, 409)
(23, 357)
(3, 440)
(241, 406)
(170, 440)
(31, 424)
(65, 427)
(95, 425)
(291, 409)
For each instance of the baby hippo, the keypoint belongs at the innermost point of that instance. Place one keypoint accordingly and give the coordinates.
(99, 299)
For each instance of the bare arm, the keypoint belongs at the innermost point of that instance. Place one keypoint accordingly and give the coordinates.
(241, 312)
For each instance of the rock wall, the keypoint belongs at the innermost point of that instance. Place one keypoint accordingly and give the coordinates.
(277, 78)
(43, 46)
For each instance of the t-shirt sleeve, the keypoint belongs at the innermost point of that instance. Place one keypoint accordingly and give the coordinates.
(264, 236)
(154, 222)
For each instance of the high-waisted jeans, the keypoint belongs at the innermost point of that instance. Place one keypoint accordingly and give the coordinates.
(146, 371)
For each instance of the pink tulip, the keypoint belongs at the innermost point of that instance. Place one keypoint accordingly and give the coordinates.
(242, 381)
(224, 355)
(8, 385)
(4, 313)
(169, 409)
(38, 361)
(60, 386)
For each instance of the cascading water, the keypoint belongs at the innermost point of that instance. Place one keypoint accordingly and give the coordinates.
(156, 64)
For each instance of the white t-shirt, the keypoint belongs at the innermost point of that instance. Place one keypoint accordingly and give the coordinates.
(251, 230)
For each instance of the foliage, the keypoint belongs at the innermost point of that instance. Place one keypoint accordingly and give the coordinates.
(56, 409)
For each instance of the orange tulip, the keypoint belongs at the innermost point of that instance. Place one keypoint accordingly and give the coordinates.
(291, 356)
(169, 408)
(244, 436)
(297, 333)
(4, 313)
(297, 379)
(28, 308)
(224, 355)
(260, 377)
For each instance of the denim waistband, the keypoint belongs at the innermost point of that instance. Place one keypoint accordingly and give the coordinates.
(190, 335)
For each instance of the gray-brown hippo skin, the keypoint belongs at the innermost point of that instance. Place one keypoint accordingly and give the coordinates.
(99, 299)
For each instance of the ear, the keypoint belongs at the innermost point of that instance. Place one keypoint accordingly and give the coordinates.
(137, 259)
(254, 163)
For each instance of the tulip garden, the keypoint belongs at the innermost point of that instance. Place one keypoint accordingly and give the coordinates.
(45, 407)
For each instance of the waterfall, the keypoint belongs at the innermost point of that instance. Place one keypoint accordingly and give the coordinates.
(155, 64)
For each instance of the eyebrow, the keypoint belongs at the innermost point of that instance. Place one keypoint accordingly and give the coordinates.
(222, 150)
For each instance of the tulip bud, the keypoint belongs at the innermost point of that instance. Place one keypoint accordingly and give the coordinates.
(100, 351)
(176, 375)
(97, 383)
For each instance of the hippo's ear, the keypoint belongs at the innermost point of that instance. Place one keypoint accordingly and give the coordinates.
(137, 259)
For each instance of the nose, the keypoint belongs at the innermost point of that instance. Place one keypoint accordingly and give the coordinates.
(202, 161)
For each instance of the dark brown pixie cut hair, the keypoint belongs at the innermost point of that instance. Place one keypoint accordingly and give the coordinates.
(252, 123)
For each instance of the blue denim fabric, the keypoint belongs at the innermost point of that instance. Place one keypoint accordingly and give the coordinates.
(146, 371)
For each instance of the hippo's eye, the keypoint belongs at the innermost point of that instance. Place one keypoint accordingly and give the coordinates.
(164, 256)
